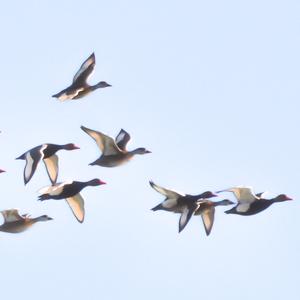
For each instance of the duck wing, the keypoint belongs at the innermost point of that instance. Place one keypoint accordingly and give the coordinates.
(243, 194)
(106, 144)
(51, 164)
(55, 189)
(85, 70)
(11, 215)
(32, 158)
(122, 139)
(76, 204)
(245, 197)
(186, 214)
(208, 216)
(166, 192)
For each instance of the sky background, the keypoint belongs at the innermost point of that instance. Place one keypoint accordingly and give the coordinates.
(211, 88)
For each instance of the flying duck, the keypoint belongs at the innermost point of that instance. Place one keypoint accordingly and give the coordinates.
(80, 87)
(249, 203)
(69, 190)
(14, 223)
(46, 152)
(114, 152)
(181, 203)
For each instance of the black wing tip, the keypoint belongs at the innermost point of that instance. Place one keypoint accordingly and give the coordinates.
(151, 183)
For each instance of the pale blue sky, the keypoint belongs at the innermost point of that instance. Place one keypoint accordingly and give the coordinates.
(211, 88)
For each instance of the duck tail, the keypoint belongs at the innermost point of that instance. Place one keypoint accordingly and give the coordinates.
(158, 207)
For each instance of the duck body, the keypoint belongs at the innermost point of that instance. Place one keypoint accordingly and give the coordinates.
(249, 203)
(255, 207)
(66, 189)
(70, 191)
(14, 223)
(111, 161)
(80, 88)
(114, 152)
(47, 153)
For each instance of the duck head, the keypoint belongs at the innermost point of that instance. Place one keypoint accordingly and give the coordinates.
(44, 218)
(225, 202)
(102, 84)
(207, 195)
(95, 182)
(71, 146)
(282, 198)
(141, 151)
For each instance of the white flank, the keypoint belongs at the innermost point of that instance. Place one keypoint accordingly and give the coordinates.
(28, 167)
(243, 207)
(54, 189)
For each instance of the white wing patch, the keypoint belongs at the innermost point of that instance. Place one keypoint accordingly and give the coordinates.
(76, 204)
(51, 164)
(243, 194)
(54, 189)
(28, 167)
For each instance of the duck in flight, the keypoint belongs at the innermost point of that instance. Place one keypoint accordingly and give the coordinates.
(79, 87)
(189, 205)
(69, 190)
(250, 203)
(45, 152)
(114, 152)
(16, 223)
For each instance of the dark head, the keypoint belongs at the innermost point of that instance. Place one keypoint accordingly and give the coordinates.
(102, 84)
(282, 198)
(225, 202)
(207, 195)
(43, 218)
(141, 151)
(71, 147)
(95, 182)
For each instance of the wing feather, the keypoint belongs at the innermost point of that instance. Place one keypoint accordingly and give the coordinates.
(106, 144)
(76, 204)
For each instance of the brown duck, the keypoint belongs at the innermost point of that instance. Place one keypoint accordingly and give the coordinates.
(114, 152)
(15, 223)
(80, 88)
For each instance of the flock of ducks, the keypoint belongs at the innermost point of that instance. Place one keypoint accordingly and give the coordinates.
(114, 153)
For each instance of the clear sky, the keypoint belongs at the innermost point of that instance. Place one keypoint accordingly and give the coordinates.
(211, 88)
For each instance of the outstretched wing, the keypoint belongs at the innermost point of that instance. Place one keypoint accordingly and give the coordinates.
(106, 144)
(243, 194)
(168, 193)
(76, 204)
(186, 215)
(51, 164)
(11, 215)
(122, 139)
(85, 70)
(208, 216)
(33, 158)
